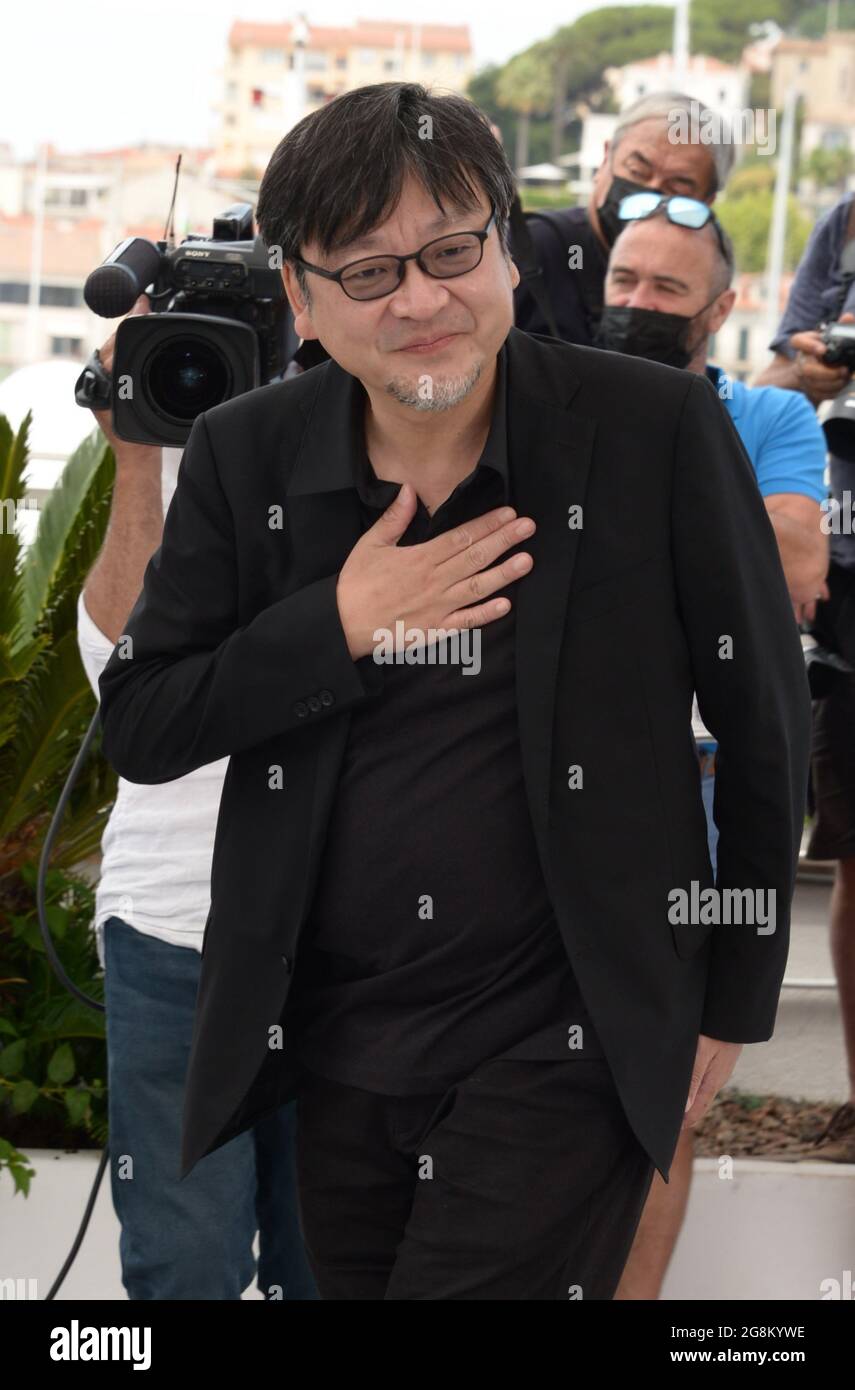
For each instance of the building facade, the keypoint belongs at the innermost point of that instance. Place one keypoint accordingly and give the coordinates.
(277, 73)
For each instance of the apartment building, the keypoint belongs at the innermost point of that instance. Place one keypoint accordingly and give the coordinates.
(823, 71)
(277, 73)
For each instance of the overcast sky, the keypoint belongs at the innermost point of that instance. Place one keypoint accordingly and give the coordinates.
(94, 74)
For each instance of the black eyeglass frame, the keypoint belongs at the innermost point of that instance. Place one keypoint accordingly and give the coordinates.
(402, 261)
(663, 206)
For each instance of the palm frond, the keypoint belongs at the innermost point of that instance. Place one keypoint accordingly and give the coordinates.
(54, 712)
(13, 463)
(71, 530)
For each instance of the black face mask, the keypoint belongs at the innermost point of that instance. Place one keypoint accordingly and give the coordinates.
(648, 333)
(619, 188)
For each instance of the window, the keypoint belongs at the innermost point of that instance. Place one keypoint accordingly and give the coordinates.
(66, 347)
(341, 63)
(52, 296)
(274, 56)
(390, 65)
(316, 62)
(14, 292)
(61, 296)
(367, 55)
(428, 60)
(742, 352)
(65, 197)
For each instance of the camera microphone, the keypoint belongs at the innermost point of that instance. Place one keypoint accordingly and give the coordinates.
(112, 289)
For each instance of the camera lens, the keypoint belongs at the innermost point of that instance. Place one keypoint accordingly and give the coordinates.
(185, 377)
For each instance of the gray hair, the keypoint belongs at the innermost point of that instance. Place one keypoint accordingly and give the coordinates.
(660, 106)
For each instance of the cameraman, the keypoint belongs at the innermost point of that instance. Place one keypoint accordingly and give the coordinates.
(820, 295)
(151, 906)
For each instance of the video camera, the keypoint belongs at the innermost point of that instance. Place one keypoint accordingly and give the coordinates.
(219, 325)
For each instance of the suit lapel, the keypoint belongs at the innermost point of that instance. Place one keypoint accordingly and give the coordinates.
(322, 505)
(550, 455)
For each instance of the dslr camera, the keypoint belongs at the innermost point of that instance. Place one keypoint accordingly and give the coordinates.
(839, 339)
(219, 325)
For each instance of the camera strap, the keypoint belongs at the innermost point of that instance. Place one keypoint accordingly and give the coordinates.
(94, 387)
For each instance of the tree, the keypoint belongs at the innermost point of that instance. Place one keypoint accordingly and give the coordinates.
(829, 168)
(748, 220)
(526, 87)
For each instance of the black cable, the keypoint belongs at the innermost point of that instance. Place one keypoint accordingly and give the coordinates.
(53, 831)
(78, 1239)
(65, 981)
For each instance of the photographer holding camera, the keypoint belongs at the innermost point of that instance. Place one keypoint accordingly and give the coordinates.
(193, 1239)
(815, 354)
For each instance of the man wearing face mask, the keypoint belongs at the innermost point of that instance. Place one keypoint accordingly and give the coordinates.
(570, 248)
(667, 291)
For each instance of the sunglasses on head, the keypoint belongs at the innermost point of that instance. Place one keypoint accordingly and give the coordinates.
(684, 212)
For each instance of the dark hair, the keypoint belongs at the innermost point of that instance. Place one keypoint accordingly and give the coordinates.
(340, 172)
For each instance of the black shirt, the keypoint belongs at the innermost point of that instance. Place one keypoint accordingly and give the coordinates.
(575, 295)
(431, 944)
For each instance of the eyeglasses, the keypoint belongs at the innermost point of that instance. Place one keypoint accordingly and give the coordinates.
(442, 259)
(685, 212)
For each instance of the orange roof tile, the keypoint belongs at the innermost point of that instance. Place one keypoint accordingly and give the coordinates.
(366, 33)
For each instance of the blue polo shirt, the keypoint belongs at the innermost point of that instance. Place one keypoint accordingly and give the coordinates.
(785, 443)
(781, 434)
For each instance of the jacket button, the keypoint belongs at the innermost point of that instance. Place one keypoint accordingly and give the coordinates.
(314, 704)
(301, 709)
(326, 698)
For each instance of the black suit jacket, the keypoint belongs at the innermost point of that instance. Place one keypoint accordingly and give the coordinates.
(237, 649)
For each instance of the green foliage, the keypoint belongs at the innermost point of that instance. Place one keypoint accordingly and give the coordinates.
(752, 176)
(525, 83)
(53, 1064)
(45, 697)
(829, 168)
(610, 37)
(812, 21)
(535, 198)
(565, 72)
(52, 1058)
(482, 90)
(748, 219)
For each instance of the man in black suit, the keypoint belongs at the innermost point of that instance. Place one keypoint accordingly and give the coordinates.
(444, 601)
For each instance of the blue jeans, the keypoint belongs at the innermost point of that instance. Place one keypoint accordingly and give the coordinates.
(707, 792)
(190, 1239)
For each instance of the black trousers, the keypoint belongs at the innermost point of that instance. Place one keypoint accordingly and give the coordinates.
(522, 1181)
